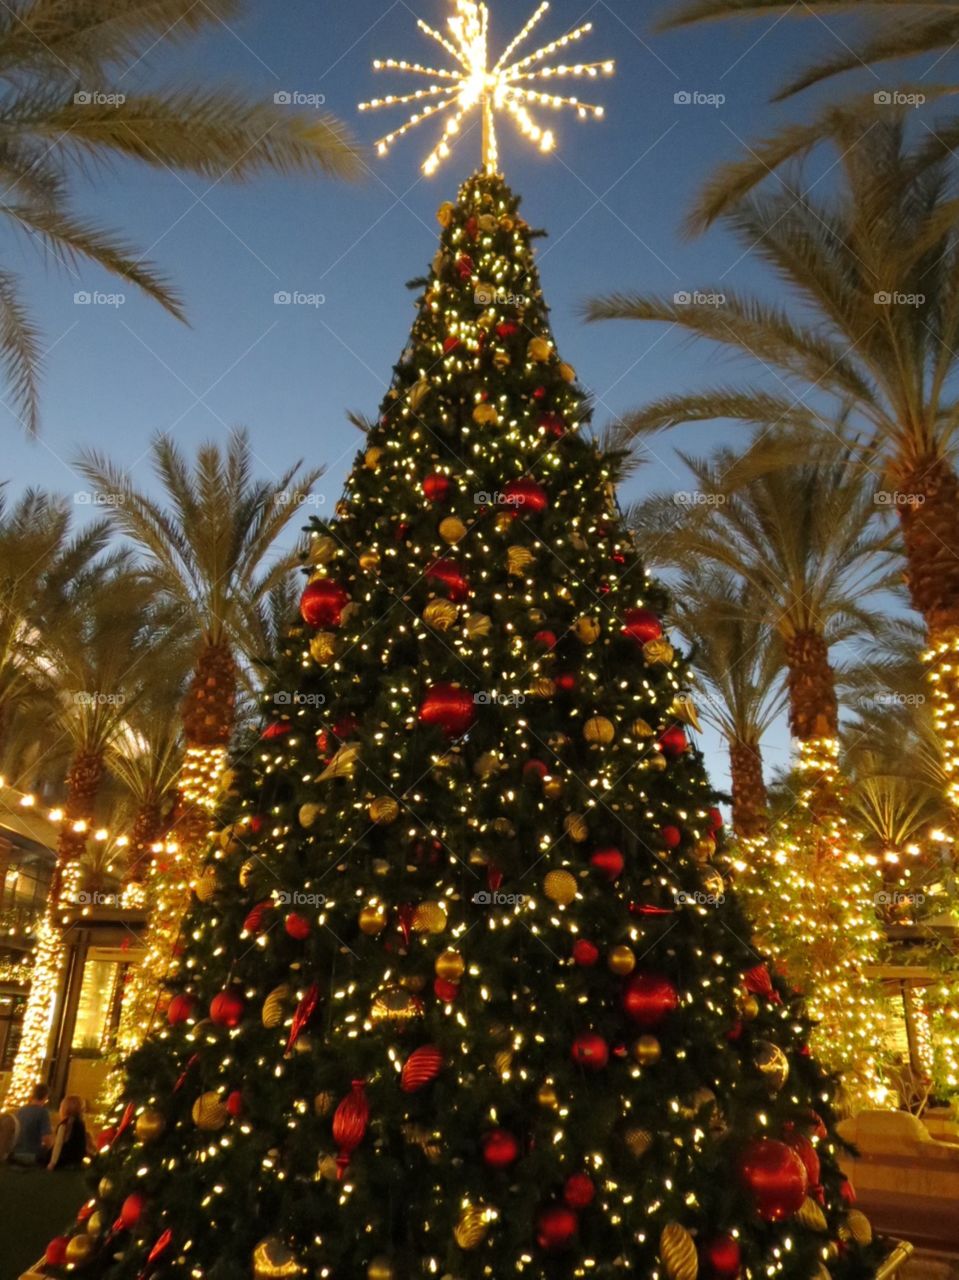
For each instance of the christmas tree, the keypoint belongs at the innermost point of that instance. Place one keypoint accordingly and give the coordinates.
(461, 992)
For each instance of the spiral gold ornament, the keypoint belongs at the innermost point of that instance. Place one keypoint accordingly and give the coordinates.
(503, 1061)
(478, 626)
(518, 560)
(658, 653)
(472, 1227)
(599, 730)
(369, 561)
(372, 457)
(543, 688)
(587, 630)
(638, 1141)
(372, 919)
(560, 887)
(418, 393)
(323, 648)
(485, 415)
(566, 371)
(641, 729)
(384, 810)
(209, 1112)
(811, 1216)
(860, 1228)
(273, 1010)
(246, 872)
(204, 886)
(658, 762)
(323, 549)
(440, 614)
(574, 824)
(678, 1252)
(539, 350)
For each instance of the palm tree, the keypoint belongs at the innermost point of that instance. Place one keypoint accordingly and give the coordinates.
(740, 658)
(59, 61)
(803, 542)
(868, 335)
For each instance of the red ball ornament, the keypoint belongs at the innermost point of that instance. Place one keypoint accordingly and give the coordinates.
(297, 926)
(556, 1228)
(579, 1191)
(323, 602)
(775, 1177)
(464, 266)
(500, 1149)
(234, 1104)
(545, 640)
(535, 769)
(278, 729)
(55, 1254)
(448, 707)
(649, 999)
(609, 862)
(450, 344)
(525, 497)
(451, 576)
(256, 823)
(723, 1257)
(715, 819)
(180, 1009)
(86, 1210)
(672, 742)
(566, 681)
(226, 1009)
(256, 917)
(807, 1153)
(445, 990)
(105, 1137)
(642, 625)
(421, 1068)
(671, 836)
(553, 425)
(437, 486)
(585, 953)
(131, 1211)
(507, 329)
(590, 1050)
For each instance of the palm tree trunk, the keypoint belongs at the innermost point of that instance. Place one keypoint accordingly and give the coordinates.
(929, 518)
(148, 827)
(210, 704)
(750, 801)
(84, 779)
(814, 719)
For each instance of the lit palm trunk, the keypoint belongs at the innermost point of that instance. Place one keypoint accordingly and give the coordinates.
(750, 800)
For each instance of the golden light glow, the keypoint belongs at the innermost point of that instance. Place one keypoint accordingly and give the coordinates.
(475, 85)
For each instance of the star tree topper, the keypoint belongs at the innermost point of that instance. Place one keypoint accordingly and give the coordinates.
(475, 85)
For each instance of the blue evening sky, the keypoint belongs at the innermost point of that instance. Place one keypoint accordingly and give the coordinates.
(612, 198)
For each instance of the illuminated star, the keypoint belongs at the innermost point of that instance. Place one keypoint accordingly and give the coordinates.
(474, 85)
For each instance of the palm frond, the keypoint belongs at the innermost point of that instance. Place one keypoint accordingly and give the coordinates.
(20, 353)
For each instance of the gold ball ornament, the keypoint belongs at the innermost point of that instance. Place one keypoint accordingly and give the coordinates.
(273, 1260)
(371, 459)
(860, 1228)
(273, 1010)
(429, 917)
(547, 1096)
(560, 887)
(307, 815)
(658, 762)
(452, 530)
(369, 562)
(209, 1113)
(323, 648)
(587, 630)
(105, 1188)
(485, 415)
(574, 824)
(811, 1216)
(149, 1124)
(647, 1051)
(95, 1224)
(487, 223)
(658, 652)
(394, 1004)
(472, 1227)
(380, 1268)
(518, 560)
(678, 1252)
(384, 810)
(539, 350)
(772, 1064)
(80, 1250)
(440, 614)
(445, 214)
(543, 688)
(323, 549)
(621, 960)
(566, 372)
(638, 1141)
(205, 885)
(373, 918)
(478, 625)
(450, 965)
(748, 1007)
(599, 730)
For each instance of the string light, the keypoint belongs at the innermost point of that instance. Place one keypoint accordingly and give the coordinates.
(475, 85)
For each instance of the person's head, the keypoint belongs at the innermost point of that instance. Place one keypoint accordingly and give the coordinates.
(40, 1094)
(71, 1108)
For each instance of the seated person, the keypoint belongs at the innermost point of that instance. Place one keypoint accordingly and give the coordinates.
(34, 1136)
(71, 1142)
